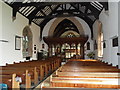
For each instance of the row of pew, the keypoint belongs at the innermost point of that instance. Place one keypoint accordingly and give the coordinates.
(29, 73)
(78, 73)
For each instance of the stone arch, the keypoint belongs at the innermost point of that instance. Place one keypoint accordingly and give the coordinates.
(86, 27)
(58, 20)
(27, 42)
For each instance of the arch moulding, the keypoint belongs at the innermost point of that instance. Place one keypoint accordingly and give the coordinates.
(72, 19)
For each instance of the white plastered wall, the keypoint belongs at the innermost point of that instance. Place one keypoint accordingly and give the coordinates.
(109, 22)
(0, 31)
(95, 33)
(36, 39)
(119, 32)
(87, 31)
(9, 30)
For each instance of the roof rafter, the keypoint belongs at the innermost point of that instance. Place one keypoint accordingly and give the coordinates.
(46, 20)
(31, 16)
(37, 4)
(43, 12)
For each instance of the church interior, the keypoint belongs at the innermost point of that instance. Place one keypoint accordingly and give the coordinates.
(66, 44)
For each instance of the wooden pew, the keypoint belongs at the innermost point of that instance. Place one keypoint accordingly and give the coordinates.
(10, 80)
(84, 83)
(80, 66)
(21, 71)
(85, 74)
(26, 78)
(36, 69)
(33, 72)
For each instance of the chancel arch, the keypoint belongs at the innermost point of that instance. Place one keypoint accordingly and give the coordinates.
(67, 30)
(81, 25)
(86, 27)
(58, 20)
(27, 42)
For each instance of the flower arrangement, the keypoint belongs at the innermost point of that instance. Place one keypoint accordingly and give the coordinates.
(91, 55)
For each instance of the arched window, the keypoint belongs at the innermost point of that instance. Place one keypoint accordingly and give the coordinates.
(70, 35)
(115, 42)
(104, 45)
(100, 40)
(88, 45)
(43, 46)
(27, 42)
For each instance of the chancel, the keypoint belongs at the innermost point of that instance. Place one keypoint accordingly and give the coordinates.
(59, 44)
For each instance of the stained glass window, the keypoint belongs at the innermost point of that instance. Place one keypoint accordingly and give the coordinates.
(27, 42)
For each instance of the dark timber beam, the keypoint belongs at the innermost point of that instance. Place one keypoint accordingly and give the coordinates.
(69, 10)
(37, 4)
(93, 10)
(64, 12)
(87, 19)
(51, 8)
(46, 21)
(105, 5)
(54, 16)
(42, 12)
(15, 10)
(31, 16)
(83, 14)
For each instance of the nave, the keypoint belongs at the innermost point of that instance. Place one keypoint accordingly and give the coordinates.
(50, 74)
(59, 45)
(83, 74)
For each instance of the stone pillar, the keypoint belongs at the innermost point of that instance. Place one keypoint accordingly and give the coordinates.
(49, 50)
(70, 49)
(55, 49)
(82, 51)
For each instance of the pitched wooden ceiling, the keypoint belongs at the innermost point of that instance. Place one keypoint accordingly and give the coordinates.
(64, 26)
(42, 12)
